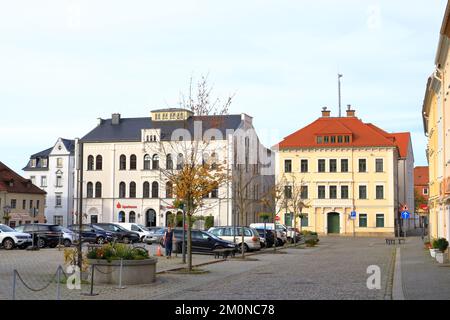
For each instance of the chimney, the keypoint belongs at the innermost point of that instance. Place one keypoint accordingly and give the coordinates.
(350, 111)
(325, 112)
(99, 121)
(115, 118)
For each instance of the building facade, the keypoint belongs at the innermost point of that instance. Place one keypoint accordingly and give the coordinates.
(344, 165)
(125, 163)
(53, 170)
(422, 193)
(20, 200)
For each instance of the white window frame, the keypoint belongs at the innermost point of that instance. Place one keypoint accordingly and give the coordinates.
(378, 184)
(292, 165)
(367, 165)
(375, 162)
(367, 191)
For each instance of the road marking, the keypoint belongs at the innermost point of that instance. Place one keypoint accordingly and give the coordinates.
(397, 290)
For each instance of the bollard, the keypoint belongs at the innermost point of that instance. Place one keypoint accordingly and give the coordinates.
(14, 285)
(58, 285)
(120, 276)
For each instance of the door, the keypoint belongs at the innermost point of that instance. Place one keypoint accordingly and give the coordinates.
(150, 218)
(288, 219)
(333, 223)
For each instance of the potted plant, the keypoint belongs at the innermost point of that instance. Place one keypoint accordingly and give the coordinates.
(442, 244)
(434, 248)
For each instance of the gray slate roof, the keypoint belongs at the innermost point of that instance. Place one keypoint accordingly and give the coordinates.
(129, 129)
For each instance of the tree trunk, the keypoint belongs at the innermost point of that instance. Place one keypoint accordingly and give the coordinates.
(189, 241)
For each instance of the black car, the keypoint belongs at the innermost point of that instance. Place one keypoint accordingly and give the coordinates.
(93, 234)
(269, 238)
(120, 233)
(202, 242)
(44, 235)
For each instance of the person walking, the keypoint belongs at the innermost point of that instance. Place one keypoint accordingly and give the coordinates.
(168, 242)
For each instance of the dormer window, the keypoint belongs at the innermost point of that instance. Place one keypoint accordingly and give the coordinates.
(333, 139)
(347, 139)
(33, 163)
(319, 140)
(44, 163)
(340, 139)
(326, 139)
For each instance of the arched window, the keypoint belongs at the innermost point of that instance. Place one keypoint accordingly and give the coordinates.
(123, 162)
(214, 161)
(155, 161)
(132, 217)
(133, 162)
(180, 161)
(169, 162)
(90, 163)
(146, 192)
(132, 190)
(155, 190)
(90, 190)
(98, 190)
(121, 217)
(99, 163)
(169, 190)
(147, 162)
(122, 188)
(215, 193)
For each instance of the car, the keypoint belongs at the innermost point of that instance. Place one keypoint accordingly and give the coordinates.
(156, 235)
(143, 232)
(252, 241)
(68, 237)
(43, 235)
(277, 227)
(267, 240)
(10, 239)
(294, 232)
(202, 242)
(93, 234)
(122, 234)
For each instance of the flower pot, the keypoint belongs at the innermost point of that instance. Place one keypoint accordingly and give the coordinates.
(441, 257)
(433, 252)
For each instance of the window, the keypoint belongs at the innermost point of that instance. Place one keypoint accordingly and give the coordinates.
(304, 192)
(146, 190)
(99, 163)
(344, 192)
(321, 192)
(132, 217)
(304, 166)
(288, 192)
(380, 193)
(362, 165)
(121, 217)
(58, 201)
(333, 139)
(155, 162)
(37, 204)
(155, 190)
(33, 179)
(344, 165)
(59, 162)
(31, 204)
(333, 165)
(425, 191)
(43, 181)
(363, 220)
(147, 162)
(24, 204)
(133, 162)
(340, 139)
(90, 190)
(98, 190)
(326, 139)
(305, 221)
(59, 181)
(288, 166)
(319, 140)
(132, 189)
(33, 163)
(59, 220)
(362, 192)
(214, 161)
(122, 188)
(169, 162)
(347, 139)
(13, 203)
(215, 193)
(123, 162)
(90, 163)
(380, 220)
(169, 190)
(321, 165)
(379, 167)
(180, 161)
(333, 192)
(44, 163)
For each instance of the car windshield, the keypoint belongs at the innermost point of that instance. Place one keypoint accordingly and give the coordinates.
(57, 228)
(4, 228)
(97, 228)
(143, 227)
(212, 236)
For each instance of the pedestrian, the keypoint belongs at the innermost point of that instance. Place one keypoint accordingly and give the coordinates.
(168, 242)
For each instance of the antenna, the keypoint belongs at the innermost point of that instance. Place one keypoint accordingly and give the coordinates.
(339, 92)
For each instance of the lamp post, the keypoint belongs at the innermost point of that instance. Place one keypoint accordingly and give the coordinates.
(6, 212)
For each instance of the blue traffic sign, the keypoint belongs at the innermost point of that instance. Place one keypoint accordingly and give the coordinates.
(353, 215)
(406, 215)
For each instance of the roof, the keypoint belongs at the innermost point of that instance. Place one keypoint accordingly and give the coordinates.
(129, 129)
(421, 176)
(172, 110)
(20, 184)
(69, 144)
(363, 135)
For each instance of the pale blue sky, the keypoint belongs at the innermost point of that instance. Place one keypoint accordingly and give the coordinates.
(65, 63)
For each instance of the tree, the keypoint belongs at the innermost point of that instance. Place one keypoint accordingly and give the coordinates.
(419, 200)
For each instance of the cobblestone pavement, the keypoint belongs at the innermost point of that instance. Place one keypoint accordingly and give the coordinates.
(337, 269)
(422, 277)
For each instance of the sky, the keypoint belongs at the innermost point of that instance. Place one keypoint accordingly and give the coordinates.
(65, 63)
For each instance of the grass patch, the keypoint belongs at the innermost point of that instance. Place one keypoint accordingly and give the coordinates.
(194, 271)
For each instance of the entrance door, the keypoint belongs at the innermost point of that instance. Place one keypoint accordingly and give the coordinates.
(333, 223)
(150, 218)
(288, 219)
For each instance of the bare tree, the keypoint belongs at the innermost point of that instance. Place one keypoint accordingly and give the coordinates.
(295, 198)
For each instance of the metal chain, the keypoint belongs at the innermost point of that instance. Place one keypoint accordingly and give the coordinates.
(46, 286)
(106, 273)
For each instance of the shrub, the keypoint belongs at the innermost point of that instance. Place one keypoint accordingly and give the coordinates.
(442, 244)
(118, 251)
(209, 222)
(311, 242)
(434, 244)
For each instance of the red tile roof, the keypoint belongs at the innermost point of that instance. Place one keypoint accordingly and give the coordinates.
(421, 176)
(362, 135)
(19, 183)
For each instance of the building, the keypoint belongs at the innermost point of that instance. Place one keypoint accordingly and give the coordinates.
(20, 200)
(125, 161)
(436, 120)
(53, 170)
(342, 165)
(422, 192)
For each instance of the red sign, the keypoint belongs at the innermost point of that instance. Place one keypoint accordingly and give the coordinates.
(277, 218)
(424, 207)
(119, 206)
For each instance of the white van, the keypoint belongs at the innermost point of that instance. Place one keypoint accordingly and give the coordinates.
(143, 232)
(281, 230)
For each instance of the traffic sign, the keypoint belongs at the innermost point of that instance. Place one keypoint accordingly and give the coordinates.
(406, 215)
(353, 215)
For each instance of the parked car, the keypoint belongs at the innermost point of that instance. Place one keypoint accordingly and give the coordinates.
(202, 242)
(268, 240)
(252, 240)
(45, 235)
(278, 228)
(122, 234)
(156, 235)
(294, 232)
(143, 232)
(93, 234)
(10, 239)
(68, 237)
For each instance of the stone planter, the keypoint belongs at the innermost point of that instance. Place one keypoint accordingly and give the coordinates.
(441, 257)
(433, 252)
(134, 272)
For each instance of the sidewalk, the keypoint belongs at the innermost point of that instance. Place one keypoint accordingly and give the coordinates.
(422, 277)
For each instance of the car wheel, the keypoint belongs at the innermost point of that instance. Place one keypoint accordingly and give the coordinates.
(126, 240)
(8, 244)
(100, 240)
(245, 248)
(142, 239)
(67, 243)
(42, 243)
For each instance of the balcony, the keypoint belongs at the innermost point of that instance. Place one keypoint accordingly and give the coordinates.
(332, 203)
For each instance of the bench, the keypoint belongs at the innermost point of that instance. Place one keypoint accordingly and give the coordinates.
(224, 253)
(391, 241)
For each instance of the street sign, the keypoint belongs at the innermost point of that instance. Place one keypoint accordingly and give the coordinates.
(353, 215)
(406, 215)
(277, 218)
